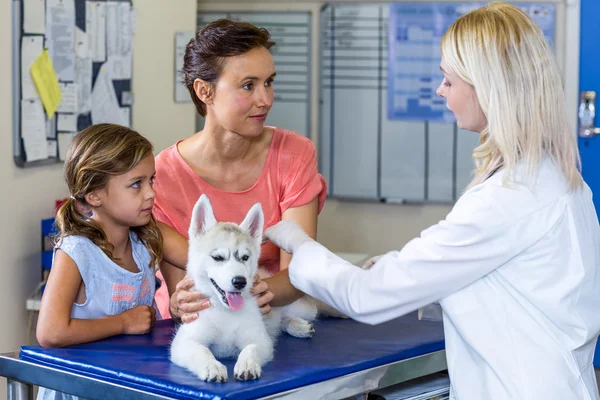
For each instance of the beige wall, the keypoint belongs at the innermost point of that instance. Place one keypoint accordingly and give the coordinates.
(20, 241)
(29, 194)
(27, 197)
(375, 228)
(155, 114)
(371, 228)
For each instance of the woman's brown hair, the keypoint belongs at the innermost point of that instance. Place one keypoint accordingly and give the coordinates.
(206, 53)
(97, 153)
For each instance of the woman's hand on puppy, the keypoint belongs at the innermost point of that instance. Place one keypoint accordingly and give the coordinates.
(186, 303)
(261, 289)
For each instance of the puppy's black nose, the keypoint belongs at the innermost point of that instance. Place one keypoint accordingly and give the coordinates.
(238, 282)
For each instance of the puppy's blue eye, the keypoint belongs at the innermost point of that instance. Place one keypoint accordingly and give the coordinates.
(218, 258)
(245, 257)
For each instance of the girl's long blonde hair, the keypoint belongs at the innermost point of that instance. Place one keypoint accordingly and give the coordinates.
(502, 53)
(97, 153)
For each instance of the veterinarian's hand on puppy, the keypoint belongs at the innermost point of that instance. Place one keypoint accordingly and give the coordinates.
(185, 303)
(261, 289)
(138, 320)
(287, 235)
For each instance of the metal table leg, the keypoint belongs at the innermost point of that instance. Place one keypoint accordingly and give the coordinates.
(19, 390)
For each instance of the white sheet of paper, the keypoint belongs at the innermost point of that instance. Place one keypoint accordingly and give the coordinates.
(182, 95)
(126, 113)
(64, 140)
(34, 16)
(118, 39)
(52, 148)
(31, 48)
(67, 122)
(60, 37)
(82, 44)
(68, 102)
(51, 128)
(95, 22)
(113, 29)
(126, 16)
(133, 21)
(83, 78)
(105, 107)
(120, 66)
(126, 98)
(33, 130)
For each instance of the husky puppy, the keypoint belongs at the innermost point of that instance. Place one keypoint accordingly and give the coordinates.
(223, 261)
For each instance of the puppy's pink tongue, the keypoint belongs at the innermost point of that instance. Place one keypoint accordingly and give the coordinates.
(235, 300)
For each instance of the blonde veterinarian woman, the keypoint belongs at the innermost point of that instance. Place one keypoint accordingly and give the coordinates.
(516, 263)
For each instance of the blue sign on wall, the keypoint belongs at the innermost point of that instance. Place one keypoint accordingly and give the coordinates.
(415, 31)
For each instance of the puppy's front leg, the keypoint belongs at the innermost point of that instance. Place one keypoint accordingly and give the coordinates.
(188, 353)
(257, 349)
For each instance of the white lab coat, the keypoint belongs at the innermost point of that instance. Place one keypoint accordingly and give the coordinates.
(517, 273)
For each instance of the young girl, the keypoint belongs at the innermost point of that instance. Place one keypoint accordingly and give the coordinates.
(102, 279)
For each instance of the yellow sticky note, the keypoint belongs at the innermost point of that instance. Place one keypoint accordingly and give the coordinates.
(46, 82)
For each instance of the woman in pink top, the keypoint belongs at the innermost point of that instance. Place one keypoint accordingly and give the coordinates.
(235, 160)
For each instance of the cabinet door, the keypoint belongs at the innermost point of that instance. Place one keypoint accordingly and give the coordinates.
(589, 79)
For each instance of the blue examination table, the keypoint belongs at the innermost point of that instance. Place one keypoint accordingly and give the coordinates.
(343, 358)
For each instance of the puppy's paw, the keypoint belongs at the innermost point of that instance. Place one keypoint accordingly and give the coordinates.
(246, 369)
(299, 328)
(212, 371)
(287, 235)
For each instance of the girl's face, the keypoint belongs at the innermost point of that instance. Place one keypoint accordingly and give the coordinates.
(127, 199)
(243, 94)
(462, 100)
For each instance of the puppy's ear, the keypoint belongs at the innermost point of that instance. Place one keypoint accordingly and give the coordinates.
(254, 221)
(203, 217)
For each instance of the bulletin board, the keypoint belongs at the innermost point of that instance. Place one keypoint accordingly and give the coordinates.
(384, 133)
(72, 67)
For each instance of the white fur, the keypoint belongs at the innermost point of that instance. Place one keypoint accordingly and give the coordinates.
(217, 251)
(287, 235)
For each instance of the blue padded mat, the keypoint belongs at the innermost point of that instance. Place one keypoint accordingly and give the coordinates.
(339, 347)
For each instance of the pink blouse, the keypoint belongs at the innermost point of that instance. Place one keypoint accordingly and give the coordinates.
(288, 179)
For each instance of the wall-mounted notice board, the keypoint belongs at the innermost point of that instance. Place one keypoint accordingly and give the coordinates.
(384, 133)
(72, 67)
